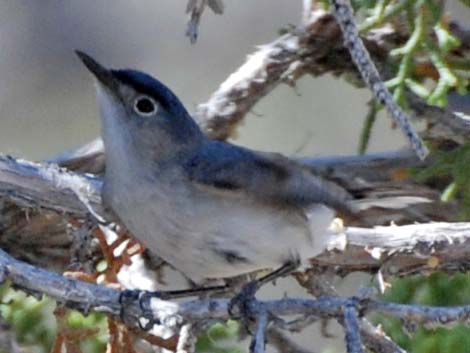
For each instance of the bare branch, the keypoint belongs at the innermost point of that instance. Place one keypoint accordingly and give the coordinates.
(85, 296)
(430, 317)
(195, 8)
(372, 167)
(260, 74)
(258, 341)
(89, 158)
(403, 250)
(351, 327)
(376, 340)
(317, 283)
(81, 295)
(48, 186)
(345, 17)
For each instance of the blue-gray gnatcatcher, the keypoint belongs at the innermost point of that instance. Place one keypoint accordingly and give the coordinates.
(209, 208)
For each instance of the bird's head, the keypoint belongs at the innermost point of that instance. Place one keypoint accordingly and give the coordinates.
(140, 114)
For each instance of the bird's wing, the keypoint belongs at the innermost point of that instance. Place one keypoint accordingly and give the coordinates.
(266, 177)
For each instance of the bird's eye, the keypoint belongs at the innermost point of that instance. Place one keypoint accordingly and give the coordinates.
(145, 106)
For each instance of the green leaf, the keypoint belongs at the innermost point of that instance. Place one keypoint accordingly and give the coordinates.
(445, 39)
(417, 88)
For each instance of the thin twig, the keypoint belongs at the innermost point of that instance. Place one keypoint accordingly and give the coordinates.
(430, 317)
(344, 14)
(351, 327)
(194, 9)
(376, 340)
(317, 283)
(258, 342)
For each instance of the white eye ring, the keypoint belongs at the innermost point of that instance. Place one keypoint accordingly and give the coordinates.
(145, 106)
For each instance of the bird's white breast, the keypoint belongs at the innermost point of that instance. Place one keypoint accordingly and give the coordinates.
(210, 235)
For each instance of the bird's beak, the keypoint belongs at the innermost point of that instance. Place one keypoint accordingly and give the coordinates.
(102, 74)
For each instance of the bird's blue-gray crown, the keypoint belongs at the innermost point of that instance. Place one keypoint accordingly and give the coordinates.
(144, 97)
(147, 84)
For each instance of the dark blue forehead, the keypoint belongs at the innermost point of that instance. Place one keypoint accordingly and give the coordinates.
(146, 84)
(177, 122)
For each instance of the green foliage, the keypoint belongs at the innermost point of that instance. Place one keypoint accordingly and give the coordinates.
(220, 339)
(451, 165)
(465, 2)
(93, 344)
(35, 325)
(31, 319)
(364, 4)
(439, 289)
(427, 63)
(430, 40)
(369, 121)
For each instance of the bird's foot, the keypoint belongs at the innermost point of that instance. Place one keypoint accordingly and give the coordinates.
(130, 296)
(244, 304)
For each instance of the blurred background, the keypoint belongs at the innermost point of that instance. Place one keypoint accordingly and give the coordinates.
(47, 102)
(47, 98)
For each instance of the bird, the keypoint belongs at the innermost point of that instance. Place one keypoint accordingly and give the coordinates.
(210, 209)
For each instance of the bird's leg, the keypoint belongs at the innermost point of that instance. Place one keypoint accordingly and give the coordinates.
(182, 293)
(282, 271)
(245, 300)
(144, 298)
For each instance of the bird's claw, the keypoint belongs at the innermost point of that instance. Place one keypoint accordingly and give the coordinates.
(128, 296)
(243, 305)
